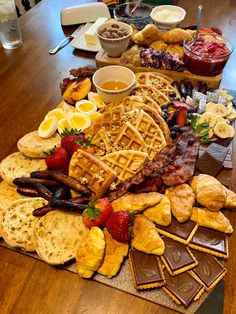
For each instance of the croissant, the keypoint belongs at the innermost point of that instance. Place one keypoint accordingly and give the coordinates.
(147, 35)
(182, 200)
(146, 238)
(160, 213)
(230, 201)
(209, 191)
(90, 253)
(175, 49)
(176, 36)
(213, 220)
(158, 45)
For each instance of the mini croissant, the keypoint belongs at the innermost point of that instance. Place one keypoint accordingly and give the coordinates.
(230, 201)
(160, 213)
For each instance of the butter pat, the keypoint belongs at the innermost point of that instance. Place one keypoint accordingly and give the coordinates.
(90, 35)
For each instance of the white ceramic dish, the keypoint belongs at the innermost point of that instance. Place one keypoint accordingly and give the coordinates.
(79, 41)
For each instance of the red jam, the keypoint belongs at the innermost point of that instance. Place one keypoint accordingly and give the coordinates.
(207, 56)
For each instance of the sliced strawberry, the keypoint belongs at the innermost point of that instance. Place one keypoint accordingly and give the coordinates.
(177, 104)
(69, 140)
(118, 225)
(180, 116)
(58, 159)
(96, 214)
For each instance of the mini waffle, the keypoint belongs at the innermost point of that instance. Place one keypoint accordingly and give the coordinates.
(125, 162)
(167, 78)
(103, 143)
(152, 92)
(87, 168)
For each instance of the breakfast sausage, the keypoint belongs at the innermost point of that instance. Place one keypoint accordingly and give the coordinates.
(40, 174)
(60, 193)
(28, 182)
(43, 191)
(66, 205)
(41, 211)
(26, 191)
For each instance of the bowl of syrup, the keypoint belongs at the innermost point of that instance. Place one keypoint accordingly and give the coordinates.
(113, 82)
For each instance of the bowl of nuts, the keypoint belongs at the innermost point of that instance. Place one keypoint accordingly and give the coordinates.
(114, 37)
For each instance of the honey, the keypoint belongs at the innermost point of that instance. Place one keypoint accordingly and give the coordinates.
(114, 85)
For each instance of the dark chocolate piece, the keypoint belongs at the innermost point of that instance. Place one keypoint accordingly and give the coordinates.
(146, 268)
(211, 240)
(217, 151)
(207, 164)
(179, 230)
(177, 256)
(208, 269)
(184, 287)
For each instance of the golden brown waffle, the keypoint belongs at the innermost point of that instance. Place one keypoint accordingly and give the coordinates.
(103, 143)
(152, 92)
(129, 138)
(125, 162)
(88, 169)
(166, 77)
(149, 130)
(110, 121)
(159, 82)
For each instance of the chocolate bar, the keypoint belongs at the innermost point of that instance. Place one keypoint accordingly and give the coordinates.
(181, 232)
(183, 288)
(207, 164)
(146, 270)
(177, 257)
(210, 241)
(209, 271)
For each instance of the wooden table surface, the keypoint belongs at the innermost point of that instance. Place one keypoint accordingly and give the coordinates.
(29, 88)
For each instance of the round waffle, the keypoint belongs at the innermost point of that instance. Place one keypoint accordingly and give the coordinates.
(159, 97)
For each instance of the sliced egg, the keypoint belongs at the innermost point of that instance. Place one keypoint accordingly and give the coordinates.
(48, 127)
(85, 106)
(62, 125)
(58, 113)
(66, 108)
(94, 115)
(79, 121)
(96, 100)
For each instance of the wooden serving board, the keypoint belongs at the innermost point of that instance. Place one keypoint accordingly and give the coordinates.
(213, 82)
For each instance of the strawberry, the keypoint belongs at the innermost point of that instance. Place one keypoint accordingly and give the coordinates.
(118, 225)
(180, 116)
(97, 213)
(177, 104)
(58, 159)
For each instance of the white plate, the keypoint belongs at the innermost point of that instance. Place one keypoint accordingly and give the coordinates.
(79, 41)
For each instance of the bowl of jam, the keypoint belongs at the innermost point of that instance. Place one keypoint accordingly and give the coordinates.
(207, 55)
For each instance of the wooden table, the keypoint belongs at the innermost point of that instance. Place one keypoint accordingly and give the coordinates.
(29, 87)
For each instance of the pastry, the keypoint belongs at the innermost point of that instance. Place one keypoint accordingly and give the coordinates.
(90, 252)
(176, 36)
(175, 49)
(145, 236)
(160, 213)
(230, 201)
(147, 35)
(136, 202)
(182, 200)
(113, 257)
(159, 45)
(213, 220)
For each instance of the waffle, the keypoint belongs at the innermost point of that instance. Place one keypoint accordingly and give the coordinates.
(167, 78)
(152, 92)
(110, 121)
(87, 168)
(125, 162)
(150, 131)
(129, 138)
(103, 143)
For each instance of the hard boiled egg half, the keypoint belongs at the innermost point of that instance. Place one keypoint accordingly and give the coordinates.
(85, 106)
(96, 100)
(79, 121)
(48, 127)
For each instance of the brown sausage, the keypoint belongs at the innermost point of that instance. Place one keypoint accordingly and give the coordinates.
(66, 205)
(41, 211)
(43, 191)
(27, 191)
(79, 200)
(60, 193)
(40, 174)
(28, 182)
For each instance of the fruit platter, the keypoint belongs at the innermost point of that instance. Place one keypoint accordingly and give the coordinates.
(130, 193)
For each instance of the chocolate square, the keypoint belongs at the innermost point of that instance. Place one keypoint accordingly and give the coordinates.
(146, 268)
(184, 287)
(208, 165)
(217, 151)
(177, 256)
(211, 241)
(208, 269)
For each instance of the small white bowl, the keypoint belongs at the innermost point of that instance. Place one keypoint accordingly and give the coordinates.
(113, 73)
(166, 17)
(114, 47)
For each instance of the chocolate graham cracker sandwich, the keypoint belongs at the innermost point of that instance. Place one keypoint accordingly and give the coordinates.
(146, 270)
(209, 271)
(177, 257)
(183, 288)
(181, 232)
(210, 241)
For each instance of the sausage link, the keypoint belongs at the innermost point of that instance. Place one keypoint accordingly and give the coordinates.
(43, 191)
(66, 205)
(28, 182)
(27, 191)
(40, 174)
(41, 211)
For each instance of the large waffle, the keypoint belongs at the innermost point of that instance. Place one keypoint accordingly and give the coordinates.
(88, 169)
(156, 81)
(150, 131)
(129, 138)
(103, 143)
(166, 77)
(110, 121)
(125, 162)
(152, 92)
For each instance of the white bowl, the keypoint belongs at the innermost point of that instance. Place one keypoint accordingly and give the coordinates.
(113, 73)
(114, 47)
(167, 17)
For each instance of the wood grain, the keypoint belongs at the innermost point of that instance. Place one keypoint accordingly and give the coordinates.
(29, 80)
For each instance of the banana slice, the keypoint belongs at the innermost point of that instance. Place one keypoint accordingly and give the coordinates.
(210, 133)
(231, 117)
(218, 110)
(223, 130)
(220, 119)
(209, 105)
(209, 117)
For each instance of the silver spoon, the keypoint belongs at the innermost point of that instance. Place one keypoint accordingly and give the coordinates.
(135, 7)
(199, 19)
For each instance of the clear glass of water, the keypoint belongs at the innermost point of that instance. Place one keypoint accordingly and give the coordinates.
(10, 35)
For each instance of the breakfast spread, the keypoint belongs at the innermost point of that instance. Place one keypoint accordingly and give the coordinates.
(124, 185)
